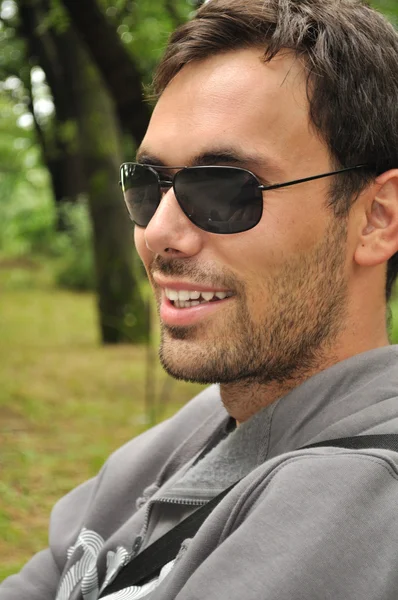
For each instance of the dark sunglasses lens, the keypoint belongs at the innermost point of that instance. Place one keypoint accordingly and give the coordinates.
(219, 199)
(141, 192)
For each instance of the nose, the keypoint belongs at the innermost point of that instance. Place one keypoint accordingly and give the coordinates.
(170, 232)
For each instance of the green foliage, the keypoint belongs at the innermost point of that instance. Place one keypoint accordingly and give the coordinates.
(73, 248)
(26, 207)
(28, 220)
(57, 17)
(27, 227)
(68, 134)
(394, 325)
(144, 27)
(12, 49)
(28, 216)
(388, 7)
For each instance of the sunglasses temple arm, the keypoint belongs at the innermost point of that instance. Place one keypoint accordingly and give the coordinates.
(289, 183)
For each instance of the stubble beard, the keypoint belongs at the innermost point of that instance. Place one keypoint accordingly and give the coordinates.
(306, 304)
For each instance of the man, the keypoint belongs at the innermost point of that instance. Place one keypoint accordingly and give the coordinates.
(276, 292)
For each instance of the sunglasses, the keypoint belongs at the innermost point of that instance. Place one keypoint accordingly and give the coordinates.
(216, 199)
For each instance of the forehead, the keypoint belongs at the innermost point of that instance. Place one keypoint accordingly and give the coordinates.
(234, 99)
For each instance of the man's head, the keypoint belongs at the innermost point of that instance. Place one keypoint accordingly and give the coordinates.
(349, 52)
(287, 90)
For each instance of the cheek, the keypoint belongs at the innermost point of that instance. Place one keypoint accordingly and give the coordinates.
(254, 260)
(290, 227)
(258, 257)
(253, 255)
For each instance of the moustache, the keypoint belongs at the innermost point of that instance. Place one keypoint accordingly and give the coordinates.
(190, 270)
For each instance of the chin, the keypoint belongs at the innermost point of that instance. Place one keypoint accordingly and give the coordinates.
(186, 360)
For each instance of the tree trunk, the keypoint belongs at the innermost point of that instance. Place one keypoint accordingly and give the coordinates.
(82, 152)
(59, 144)
(122, 312)
(115, 64)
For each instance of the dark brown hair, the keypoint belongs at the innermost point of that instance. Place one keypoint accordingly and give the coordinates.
(351, 57)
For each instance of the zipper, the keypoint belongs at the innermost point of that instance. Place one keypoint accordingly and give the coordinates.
(185, 501)
(141, 537)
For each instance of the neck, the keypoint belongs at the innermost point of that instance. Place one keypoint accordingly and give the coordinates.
(243, 399)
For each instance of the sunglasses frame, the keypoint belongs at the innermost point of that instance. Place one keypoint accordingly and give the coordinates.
(264, 188)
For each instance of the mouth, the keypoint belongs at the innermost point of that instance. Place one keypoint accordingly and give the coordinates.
(184, 304)
(184, 299)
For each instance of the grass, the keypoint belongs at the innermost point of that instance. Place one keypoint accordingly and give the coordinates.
(65, 402)
(394, 324)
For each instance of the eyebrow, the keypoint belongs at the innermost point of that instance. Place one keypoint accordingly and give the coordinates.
(229, 156)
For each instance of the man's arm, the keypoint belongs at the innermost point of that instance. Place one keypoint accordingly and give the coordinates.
(39, 578)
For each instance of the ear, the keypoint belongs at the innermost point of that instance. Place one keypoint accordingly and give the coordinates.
(378, 239)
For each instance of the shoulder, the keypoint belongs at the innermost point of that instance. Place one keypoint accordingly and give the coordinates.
(309, 524)
(322, 483)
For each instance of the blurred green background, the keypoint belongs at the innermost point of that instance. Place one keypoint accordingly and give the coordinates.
(78, 369)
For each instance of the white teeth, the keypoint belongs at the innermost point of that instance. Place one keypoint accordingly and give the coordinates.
(180, 304)
(172, 294)
(221, 295)
(188, 298)
(183, 295)
(208, 296)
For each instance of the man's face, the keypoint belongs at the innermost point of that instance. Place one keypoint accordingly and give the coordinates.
(285, 279)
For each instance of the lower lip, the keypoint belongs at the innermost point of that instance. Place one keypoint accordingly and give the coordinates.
(170, 315)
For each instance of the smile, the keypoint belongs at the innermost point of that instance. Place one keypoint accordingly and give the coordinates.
(191, 298)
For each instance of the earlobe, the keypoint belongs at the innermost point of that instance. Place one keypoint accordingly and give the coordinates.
(379, 237)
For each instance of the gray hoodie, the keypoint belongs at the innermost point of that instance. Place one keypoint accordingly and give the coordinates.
(301, 524)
